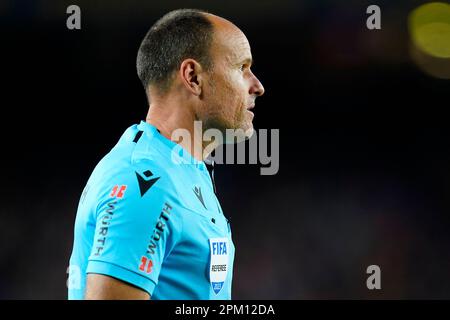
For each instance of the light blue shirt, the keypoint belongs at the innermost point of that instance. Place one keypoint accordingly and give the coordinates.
(149, 216)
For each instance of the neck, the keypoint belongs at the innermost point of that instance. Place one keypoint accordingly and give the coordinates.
(171, 116)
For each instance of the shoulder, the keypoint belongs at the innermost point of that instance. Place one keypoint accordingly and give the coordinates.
(137, 197)
(136, 171)
(141, 180)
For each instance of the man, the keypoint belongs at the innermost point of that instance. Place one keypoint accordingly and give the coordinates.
(148, 226)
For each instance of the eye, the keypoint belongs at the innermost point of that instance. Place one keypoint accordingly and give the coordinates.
(243, 67)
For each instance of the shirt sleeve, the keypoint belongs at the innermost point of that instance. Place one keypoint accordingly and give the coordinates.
(136, 228)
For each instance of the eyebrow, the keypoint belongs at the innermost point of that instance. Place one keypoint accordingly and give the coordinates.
(248, 61)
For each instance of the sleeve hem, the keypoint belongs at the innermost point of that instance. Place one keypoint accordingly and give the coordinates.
(115, 271)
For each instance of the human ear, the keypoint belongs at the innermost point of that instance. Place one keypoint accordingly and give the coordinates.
(191, 76)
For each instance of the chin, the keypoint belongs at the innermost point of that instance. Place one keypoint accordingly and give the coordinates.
(239, 134)
(249, 132)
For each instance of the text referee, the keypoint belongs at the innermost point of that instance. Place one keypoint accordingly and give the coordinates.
(149, 226)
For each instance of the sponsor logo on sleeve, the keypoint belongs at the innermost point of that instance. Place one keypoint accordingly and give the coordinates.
(103, 228)
(146, 262)
(118, 191)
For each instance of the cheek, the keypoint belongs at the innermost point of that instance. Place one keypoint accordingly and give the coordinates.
(236, 91)
(229, 98)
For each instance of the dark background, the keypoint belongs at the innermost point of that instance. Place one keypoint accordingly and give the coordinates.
(364, 145)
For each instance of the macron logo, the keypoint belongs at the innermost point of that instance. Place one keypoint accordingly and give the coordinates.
(146, 183)
(198, 193)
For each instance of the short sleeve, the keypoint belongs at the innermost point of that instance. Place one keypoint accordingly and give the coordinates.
(136, 228)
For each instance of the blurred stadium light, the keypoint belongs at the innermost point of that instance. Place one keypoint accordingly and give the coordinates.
(429, 28)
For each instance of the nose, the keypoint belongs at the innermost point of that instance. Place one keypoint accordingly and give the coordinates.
(256, 87)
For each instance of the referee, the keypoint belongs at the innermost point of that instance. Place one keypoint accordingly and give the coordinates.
(148, 226)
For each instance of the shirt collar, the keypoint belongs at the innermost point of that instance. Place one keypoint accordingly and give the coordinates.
(177, 153)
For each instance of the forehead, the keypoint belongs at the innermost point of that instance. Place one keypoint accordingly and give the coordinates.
(230, 42)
